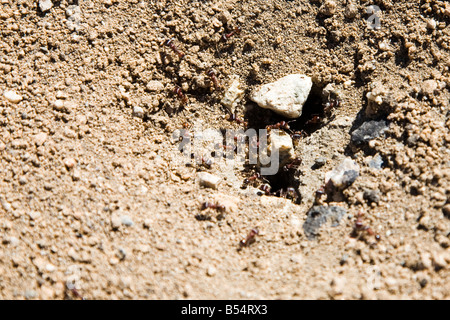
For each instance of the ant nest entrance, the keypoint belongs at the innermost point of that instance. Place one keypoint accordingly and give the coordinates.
(317, 113)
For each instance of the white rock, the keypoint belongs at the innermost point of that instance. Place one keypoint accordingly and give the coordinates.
(45, 5)
(344, 174)
(155, 85)
(285, 96)
(138, 112)
(208, 180)
(233, 95)
(34, 215)
(281, 142)
(12, 96)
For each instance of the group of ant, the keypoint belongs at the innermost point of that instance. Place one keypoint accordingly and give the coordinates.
(210, 72)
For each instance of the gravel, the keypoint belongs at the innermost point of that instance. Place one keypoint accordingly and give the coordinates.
(368, 131)
(318, 216)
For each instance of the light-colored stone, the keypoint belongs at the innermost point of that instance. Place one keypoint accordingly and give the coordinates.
(155, 85)
(285, 96)
(328, 8)
(344, 174)
(45, 5)
(233, 95)
(208, 180)
(429, 87)
(12, 96)
(40, 138)
(70, 163)
(138, 112)
(34, 215)
(281, 142)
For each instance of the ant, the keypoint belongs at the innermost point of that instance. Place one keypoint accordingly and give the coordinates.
(297, 135)
(330, 105)
(266, 188)
(360, 227)
(71, 288)
(214, 206)
(207, 163)
(290, 193)
(236, 31)
(214, 79)
(294, 164)
(177, 90)
(234, 117)
(250, 238)
(169, 43)
(252, 178)
(314, 120)
(319, 193)
(224, 147)
(280, 125)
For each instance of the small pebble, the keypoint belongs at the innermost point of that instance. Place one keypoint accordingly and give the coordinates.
(318, 216)
(319, 162)
(126, 220)
(208, 180)
(376, 162)
(40, 138)
(372, 195)
(12, 96)
(138, 112)
(328, 8)
(428, 87)
(211, 271)
(281, 143)
(70, 163)
(45, 5)
(34, 215)
(2, 146)
(431, 24)
(154, 85)
(233, 95)
(344, 174)
(369, 130)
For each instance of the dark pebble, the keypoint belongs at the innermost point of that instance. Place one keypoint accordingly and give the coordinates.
(318, 216)
(368, 131)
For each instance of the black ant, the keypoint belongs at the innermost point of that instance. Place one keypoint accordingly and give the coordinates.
(236, 31)
(250, 238)
(169, 43)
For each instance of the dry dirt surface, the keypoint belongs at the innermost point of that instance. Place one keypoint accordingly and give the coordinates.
(95, 204)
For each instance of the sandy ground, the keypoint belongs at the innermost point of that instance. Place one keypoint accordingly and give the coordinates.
(94, 205)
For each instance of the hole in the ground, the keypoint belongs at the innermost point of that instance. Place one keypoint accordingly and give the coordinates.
(286, 183)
